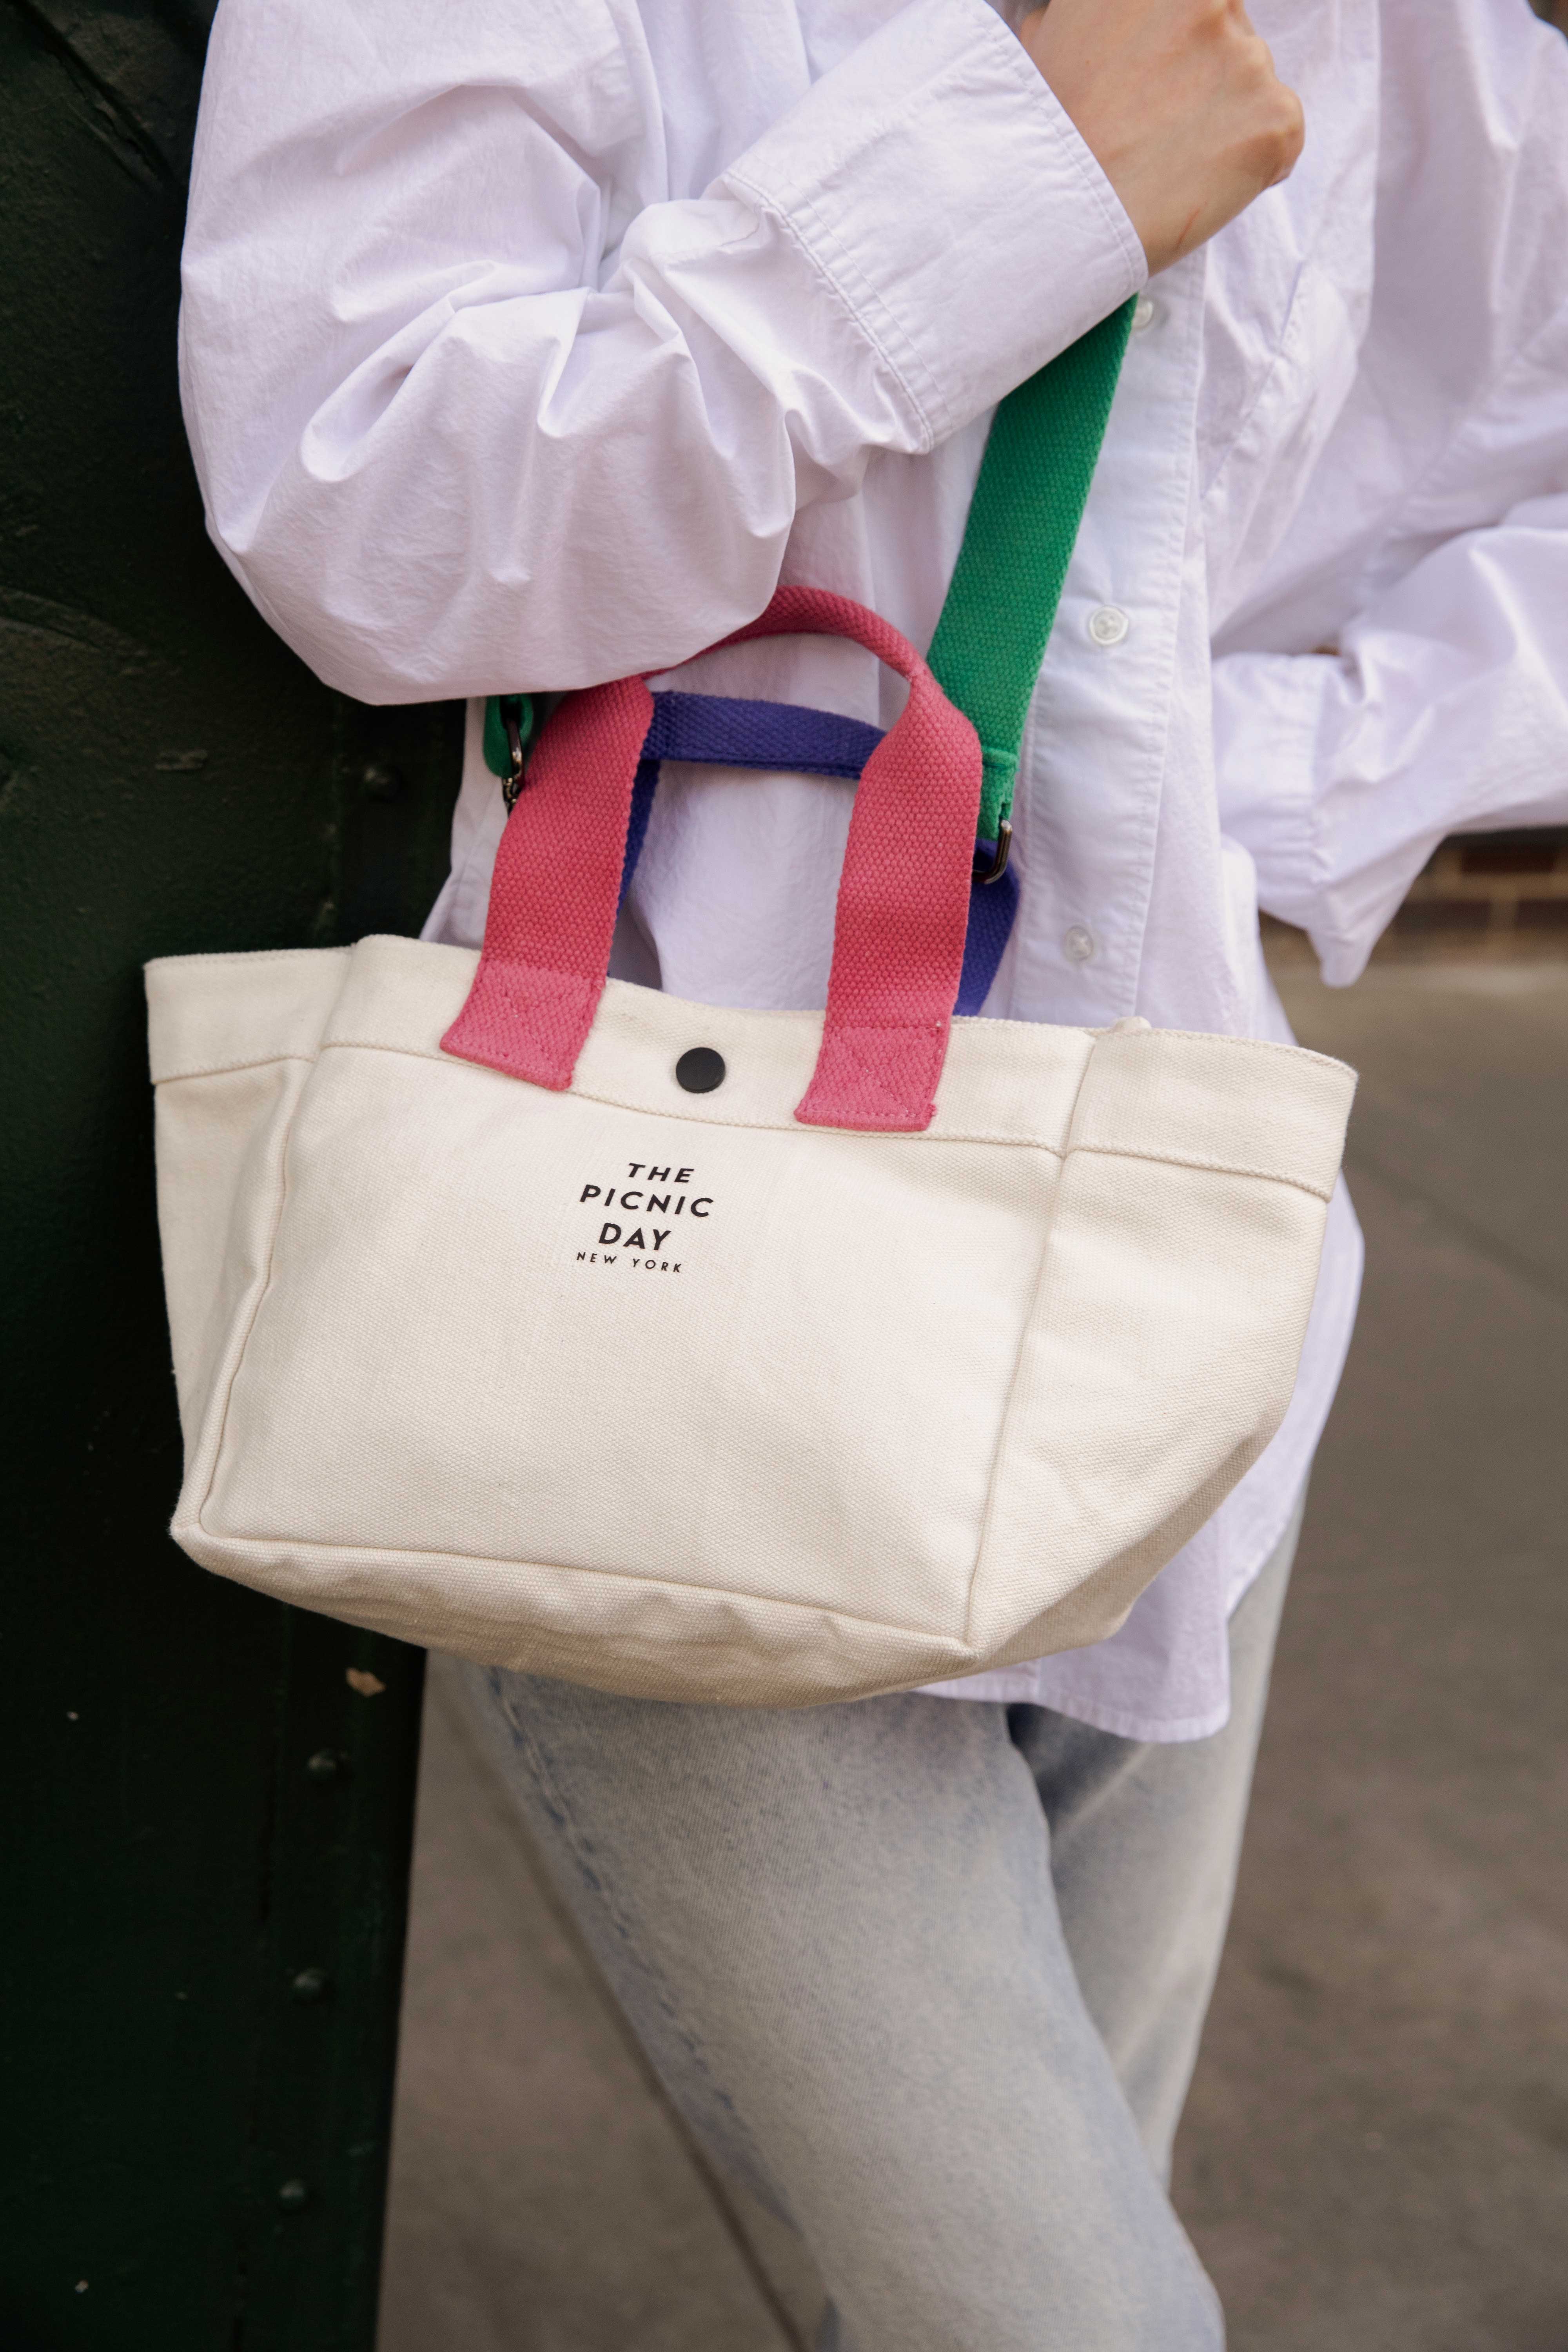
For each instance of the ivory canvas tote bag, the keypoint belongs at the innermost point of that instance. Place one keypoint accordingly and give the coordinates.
(759, 1357)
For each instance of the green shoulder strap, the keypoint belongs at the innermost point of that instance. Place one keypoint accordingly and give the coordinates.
(991, 639)
(1017, 543)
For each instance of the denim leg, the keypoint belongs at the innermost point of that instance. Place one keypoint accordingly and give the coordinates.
(1144, 1839)
(837, 1934)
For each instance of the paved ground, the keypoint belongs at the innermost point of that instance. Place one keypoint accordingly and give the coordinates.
(1376, 2154)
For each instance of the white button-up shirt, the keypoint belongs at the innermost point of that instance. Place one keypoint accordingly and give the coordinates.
(529, 345)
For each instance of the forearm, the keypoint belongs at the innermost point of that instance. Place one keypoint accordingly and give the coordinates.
(1446, 711)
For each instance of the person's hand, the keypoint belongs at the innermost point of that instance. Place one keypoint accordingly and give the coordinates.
(1179, 104)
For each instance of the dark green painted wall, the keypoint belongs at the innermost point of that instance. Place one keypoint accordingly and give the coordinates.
(200, 1812)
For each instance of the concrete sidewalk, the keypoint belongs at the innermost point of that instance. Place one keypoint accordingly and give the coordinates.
(1375, 2154)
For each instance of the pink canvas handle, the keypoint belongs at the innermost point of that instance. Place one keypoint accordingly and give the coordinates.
(903, 900)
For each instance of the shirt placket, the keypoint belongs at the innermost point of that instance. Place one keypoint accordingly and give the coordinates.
(1095, 751)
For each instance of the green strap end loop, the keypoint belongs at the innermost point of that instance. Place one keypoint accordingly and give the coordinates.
(497, 747)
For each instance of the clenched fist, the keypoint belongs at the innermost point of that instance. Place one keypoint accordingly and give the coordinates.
(1179, 103)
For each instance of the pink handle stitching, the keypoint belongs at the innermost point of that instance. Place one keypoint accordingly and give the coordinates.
(552, 901)
(903, 900)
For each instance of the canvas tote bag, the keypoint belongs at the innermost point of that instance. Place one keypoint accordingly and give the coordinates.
(758, 1358)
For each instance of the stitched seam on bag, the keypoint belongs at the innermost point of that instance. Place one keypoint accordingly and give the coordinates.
(268, 1545)
(1243, 1046)
(265, 1286)
(1017, 1372)
(225, 1069)
(789, 1125)
(245, 956)
(1206, 1166)
(1217, 1037)
(1187, 1036)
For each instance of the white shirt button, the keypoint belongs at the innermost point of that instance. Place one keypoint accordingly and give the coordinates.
(1143, 313)
(1107, 625)
(1077, 944)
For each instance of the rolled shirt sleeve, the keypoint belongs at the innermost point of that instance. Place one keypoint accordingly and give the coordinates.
(478, 402)
(1443, 710)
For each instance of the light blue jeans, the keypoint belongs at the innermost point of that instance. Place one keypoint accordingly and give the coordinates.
(926, 1975)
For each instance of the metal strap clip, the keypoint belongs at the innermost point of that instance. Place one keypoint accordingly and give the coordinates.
(512, 781)
(998, 865)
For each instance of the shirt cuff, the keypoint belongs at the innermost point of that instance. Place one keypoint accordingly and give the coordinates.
(1267, 719)
(942, 194)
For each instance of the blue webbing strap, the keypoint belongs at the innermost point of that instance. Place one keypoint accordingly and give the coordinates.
(723, 731)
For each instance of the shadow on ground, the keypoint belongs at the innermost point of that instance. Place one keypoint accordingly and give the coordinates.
(1375, 2153)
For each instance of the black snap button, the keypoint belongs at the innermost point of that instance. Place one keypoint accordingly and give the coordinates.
(699, 1070)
